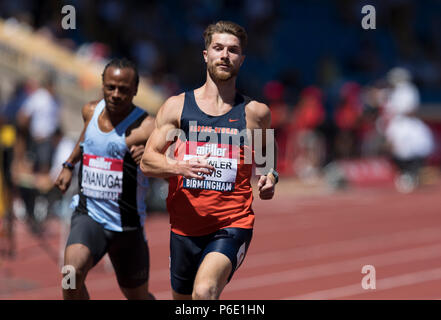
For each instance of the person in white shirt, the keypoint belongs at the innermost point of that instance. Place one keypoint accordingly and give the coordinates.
(410, 139)
(38, 118)
(403, 97)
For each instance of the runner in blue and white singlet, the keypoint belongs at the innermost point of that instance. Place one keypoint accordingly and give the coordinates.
(112, 188)
(110, 208)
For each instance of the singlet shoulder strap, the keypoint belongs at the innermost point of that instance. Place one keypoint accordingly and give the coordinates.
(98, 109)
(190, 101)
(132, 117)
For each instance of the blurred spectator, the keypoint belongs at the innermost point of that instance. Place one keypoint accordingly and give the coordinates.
(347, 118)
(38, 119)
(306, 149)
(62, 146)
(410, 139)
(259, 13)
(58, 204)
(22, 90)
(309, 112)
(95, 51)
(146, 53)
(403, 97)
(8, 114)
(274, 95)
(411, 143)
(372, 139)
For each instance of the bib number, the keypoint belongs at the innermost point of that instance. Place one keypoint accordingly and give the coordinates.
(102, 177)
(224, 162)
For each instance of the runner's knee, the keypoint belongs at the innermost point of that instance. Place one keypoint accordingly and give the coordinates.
(206, 290)
(80, 258)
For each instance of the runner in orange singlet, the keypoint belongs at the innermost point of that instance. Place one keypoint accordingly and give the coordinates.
(210, 194)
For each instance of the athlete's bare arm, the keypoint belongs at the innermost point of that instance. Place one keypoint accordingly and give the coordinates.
(65, 176)
(258, 116)
(138, 137)
(154, 162)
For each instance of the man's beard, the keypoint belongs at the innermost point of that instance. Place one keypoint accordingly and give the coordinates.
(215, 74)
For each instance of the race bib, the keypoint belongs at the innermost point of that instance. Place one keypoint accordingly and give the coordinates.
(102, 177)
(224, 160)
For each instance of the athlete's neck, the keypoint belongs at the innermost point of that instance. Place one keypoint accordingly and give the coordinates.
(223, 92)
(117, 117)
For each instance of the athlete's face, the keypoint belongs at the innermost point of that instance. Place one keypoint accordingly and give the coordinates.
(223, 56)
(119, 88)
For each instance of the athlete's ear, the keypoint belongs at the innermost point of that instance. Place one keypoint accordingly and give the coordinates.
(205, 55)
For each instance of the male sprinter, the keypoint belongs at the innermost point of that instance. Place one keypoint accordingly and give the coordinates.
(210, 194)
(110, 211)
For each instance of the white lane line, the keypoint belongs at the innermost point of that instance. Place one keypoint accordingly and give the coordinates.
(329, 269)
(289, 256)
(93, 285)
(357, 245)
(381, 285)
(314, 272)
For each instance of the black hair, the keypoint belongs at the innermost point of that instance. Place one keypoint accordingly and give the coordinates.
(121, 64)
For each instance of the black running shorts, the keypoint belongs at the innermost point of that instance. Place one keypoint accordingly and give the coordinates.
(128, 250)
(187, 253)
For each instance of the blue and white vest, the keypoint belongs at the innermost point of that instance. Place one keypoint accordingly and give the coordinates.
(112, 187)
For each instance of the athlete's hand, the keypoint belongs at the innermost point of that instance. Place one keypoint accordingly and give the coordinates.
(195, 166)
(64, 179)
(266, 187)
(137, 152)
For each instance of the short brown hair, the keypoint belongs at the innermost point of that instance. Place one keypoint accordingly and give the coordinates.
(226, 27)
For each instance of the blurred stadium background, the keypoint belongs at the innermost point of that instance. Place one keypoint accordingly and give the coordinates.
(357, 117)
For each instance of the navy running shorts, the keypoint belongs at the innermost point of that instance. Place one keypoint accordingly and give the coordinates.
(128, 250)
(187, 253)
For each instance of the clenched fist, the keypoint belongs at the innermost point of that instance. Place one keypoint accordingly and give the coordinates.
(64, 179)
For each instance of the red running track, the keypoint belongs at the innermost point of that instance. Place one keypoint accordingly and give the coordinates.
(306, 245)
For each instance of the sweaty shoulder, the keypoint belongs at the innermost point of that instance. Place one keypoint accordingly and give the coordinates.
(88, 110)
(170, 112)
(258, 115)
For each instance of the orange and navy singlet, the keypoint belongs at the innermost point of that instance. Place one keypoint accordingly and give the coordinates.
(223, 199)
